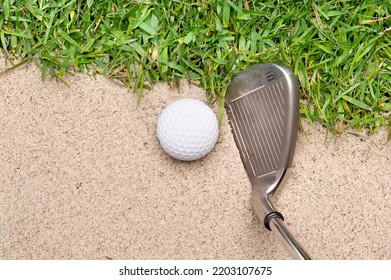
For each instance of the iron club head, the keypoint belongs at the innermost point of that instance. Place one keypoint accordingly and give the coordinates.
(263, 111)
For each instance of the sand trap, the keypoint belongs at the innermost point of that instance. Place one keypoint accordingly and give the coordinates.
(83, 177)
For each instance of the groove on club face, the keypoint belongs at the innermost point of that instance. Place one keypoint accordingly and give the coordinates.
(263, 113)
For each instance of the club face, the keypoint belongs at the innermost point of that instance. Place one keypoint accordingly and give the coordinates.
(263, 111)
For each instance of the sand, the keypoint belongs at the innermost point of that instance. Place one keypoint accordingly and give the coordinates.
(83, 177)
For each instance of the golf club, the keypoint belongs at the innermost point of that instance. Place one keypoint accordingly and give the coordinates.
(263, 111)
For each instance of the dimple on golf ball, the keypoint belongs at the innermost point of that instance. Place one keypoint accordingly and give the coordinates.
(187, 129)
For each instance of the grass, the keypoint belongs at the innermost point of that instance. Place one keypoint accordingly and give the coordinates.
(340, 51)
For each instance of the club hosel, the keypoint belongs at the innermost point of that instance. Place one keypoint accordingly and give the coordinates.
(261, 195)
(262, 205)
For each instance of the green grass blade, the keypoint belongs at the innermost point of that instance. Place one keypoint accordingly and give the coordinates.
(68, 38)
(18, 34)
(89, 3)
(6, 9)
(358, 103)
(350, 89)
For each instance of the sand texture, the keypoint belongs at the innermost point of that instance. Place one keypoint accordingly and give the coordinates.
(82, 176)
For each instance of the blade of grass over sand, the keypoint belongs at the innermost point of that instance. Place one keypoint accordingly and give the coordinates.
(340, 51)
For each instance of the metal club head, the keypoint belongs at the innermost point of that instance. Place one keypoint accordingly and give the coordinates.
(263, 111)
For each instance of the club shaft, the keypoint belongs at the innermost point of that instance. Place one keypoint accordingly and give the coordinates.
(286, 238)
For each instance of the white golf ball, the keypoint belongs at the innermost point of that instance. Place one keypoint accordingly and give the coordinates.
(187, 129)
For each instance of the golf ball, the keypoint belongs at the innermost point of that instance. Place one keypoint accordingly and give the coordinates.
(187, 129)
